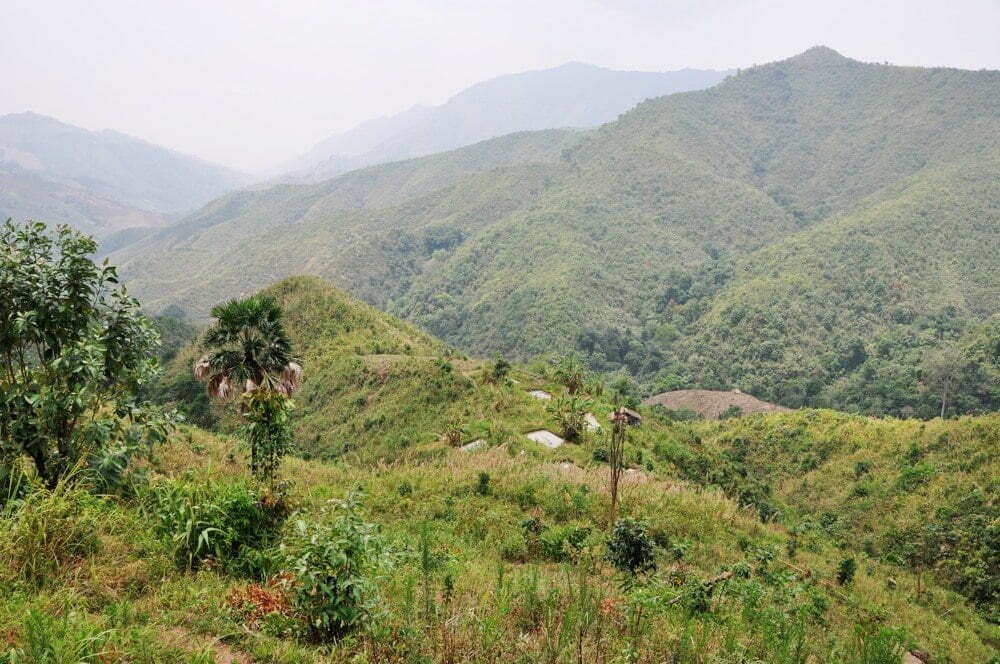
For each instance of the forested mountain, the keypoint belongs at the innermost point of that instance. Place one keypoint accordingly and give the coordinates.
(98, 181)
(812, 231)
(573, 95)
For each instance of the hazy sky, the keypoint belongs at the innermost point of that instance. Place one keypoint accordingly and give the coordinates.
(249, 83)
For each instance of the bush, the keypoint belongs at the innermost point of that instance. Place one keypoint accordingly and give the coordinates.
(44, 530)
(230, 524)
(846, 570)
(912, 477)
(483, 484)
(731, 412)
(77, 352)
(333, 563)
(862, 489)
(514, 548)
(496, 370)
(559, 543)
(630, 548)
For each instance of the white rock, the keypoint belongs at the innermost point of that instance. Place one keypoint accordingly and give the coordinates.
(546, 438)
(591, 422)
(477, 444)
(540, 394)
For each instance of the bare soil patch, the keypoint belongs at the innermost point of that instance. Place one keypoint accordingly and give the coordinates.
(710, 404)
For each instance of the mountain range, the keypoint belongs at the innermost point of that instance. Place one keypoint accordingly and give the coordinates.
(572, 95)
(102, 182)
(795, 231)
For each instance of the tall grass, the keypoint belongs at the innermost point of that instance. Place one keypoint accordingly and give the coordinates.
(69, 639)
(46, 530)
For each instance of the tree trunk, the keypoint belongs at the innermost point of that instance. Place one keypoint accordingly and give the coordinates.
(617, 461)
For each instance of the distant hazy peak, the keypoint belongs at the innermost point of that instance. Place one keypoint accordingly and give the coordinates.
(99, 181)
(819, 54)
(574, 94)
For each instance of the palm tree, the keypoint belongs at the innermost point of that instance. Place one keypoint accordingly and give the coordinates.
(249, 348)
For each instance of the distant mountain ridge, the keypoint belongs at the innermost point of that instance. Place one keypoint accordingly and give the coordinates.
(574, 95)
(99, 181)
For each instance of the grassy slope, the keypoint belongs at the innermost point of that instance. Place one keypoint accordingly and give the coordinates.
(376, 385)
(912, 469)
(506, 605)
(391, 391)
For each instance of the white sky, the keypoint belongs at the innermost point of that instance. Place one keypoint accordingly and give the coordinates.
(249, 83)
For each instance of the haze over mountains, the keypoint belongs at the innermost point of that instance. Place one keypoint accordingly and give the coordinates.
(101, 182)
(787, 216)
(572, 95)
(118, 188)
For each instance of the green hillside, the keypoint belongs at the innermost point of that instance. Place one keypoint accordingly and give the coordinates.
(504, 553)
(935, 481)
(376, 385)
(817, 217)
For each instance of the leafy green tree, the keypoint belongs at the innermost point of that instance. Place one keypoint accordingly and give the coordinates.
(76, 352)
(251, 356)
(942, 370)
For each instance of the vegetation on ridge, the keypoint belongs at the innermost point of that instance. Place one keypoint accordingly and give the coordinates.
(802, 231)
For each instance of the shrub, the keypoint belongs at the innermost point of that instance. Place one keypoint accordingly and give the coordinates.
(514, 548)
(77, 352)
(231, 524)
(862, 489)
(846, 570)
(44, 530)
(911, 477)
(630, 548)
(558, 543)
(333, 563)
(497, 369)
(731, 412)
(483, 484)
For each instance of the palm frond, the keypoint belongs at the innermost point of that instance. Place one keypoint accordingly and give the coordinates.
(220, 387)
(202, 368)
(291, 377)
